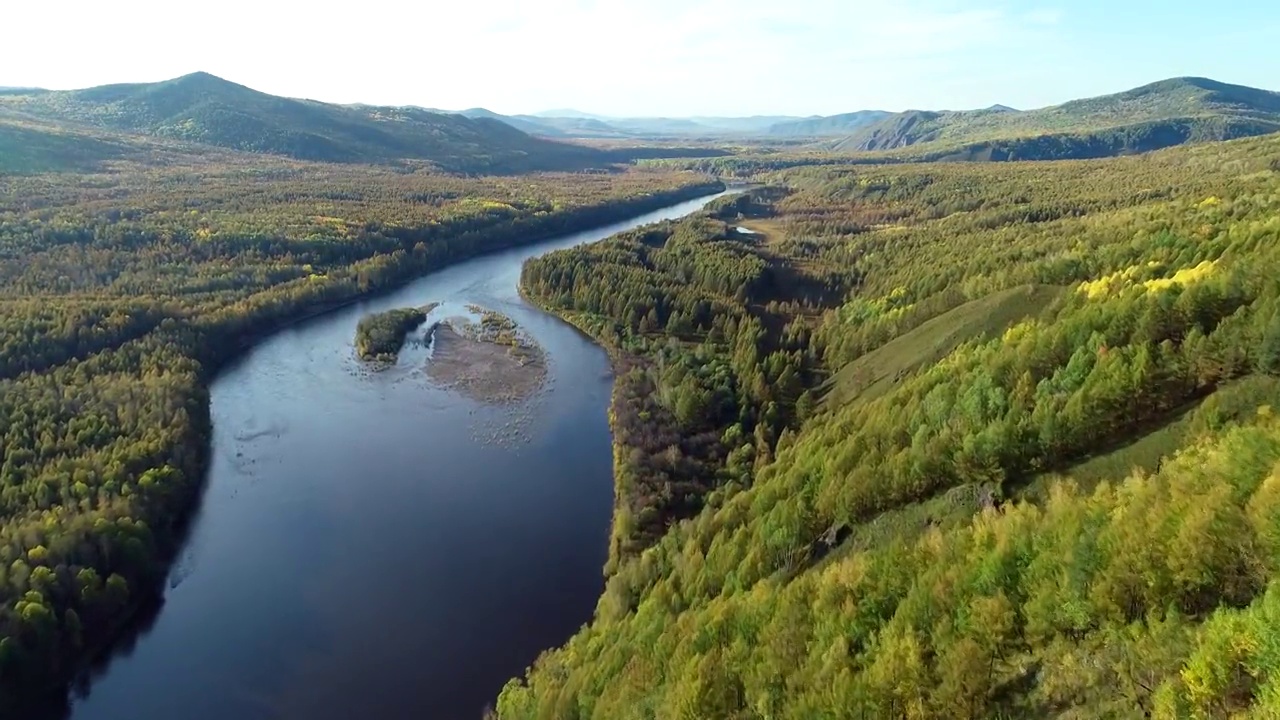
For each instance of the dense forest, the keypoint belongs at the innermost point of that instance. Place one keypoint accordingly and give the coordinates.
(939, 441)
(123, 288)
(380, 336)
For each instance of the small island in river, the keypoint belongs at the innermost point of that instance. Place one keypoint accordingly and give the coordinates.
(492, 360)
(380, 336)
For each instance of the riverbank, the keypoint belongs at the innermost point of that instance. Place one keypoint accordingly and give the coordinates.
(236, 341)
(619, 362)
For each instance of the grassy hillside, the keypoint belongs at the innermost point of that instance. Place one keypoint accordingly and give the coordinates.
(206, 109)
(865, 558)
(1162, 114)
(876, 372)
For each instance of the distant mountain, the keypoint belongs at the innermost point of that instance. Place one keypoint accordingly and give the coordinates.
(702, 126)
(532, 126)
(573, 126)
(1165, 113)
(568, 113)
(755, 124)
(830, 125)
(576, 123)
(207, 109)
(661, 126)
(478, 113)
(549, 127)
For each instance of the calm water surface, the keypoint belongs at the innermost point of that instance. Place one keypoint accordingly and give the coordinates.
(365, 549)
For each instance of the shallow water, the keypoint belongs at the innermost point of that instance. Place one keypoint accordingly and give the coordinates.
(373, 546)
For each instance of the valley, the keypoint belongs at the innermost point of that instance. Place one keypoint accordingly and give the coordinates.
(319, 410)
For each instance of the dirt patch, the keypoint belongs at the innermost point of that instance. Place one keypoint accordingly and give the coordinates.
(490, 362)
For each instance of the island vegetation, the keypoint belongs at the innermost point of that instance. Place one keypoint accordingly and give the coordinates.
(380, 336)
(939, 441)
(494, 327)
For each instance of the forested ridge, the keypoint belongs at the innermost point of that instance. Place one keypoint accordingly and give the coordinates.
(122, 290)
(1157, 115)
(202, 108)
(892, 455)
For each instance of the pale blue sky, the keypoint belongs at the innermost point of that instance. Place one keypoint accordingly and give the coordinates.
(650, 57)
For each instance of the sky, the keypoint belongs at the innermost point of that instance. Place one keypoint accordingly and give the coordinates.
(649, 57)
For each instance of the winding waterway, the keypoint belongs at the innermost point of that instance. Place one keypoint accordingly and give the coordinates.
(373, 546)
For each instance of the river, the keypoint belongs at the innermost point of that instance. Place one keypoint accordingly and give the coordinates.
(365, 548)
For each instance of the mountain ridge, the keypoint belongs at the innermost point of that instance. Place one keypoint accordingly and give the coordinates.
(203, 108)
(828, 124)
(1159, 114)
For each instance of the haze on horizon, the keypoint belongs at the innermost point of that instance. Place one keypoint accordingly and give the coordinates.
(650, 57)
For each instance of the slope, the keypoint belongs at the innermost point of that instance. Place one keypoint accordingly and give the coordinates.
(29, 146)
(1165, 113)
(875, 373)
(206, 109)
(1155, 595)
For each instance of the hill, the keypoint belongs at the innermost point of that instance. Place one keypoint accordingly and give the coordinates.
(524, 126)
(1162, 114)
(205, 109)
(983, 329)
(829, 125)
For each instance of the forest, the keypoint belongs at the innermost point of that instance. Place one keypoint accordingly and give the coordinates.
(938, 440)
(126, 285)
(379, 336)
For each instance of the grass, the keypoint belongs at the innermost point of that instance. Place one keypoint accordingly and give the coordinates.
(767, 230)
(907, 523)
(875, 373)
(1235, 402)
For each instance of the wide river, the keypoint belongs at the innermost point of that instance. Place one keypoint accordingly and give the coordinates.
(373, 546)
